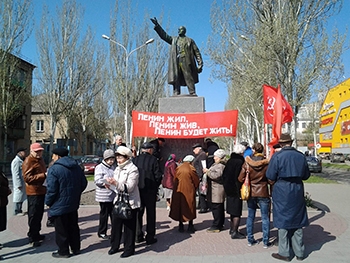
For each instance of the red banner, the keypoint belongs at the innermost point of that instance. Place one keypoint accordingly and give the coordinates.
(181, 125)
(270, 94)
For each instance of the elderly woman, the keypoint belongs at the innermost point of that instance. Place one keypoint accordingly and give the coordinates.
(216, 192)
(232, 189)
(104, 196)
(183, 201)
(126, 174)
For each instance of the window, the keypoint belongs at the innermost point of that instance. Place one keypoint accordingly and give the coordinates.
(39, 126)
(303, 125)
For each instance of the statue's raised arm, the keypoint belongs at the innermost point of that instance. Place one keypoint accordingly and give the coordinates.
(185, 61)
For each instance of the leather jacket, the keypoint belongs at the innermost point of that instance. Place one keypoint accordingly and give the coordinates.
(257, 167)
(33, 171)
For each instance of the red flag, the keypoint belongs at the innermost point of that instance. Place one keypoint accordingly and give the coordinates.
(277, 119)
(270, 94)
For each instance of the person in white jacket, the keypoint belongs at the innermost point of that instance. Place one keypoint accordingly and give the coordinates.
(19, 187)
(125, 175)
(103, 195)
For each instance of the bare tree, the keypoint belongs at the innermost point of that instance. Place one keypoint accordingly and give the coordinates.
(15, 28)
(143, 81)
(69, 64)
(276, 42)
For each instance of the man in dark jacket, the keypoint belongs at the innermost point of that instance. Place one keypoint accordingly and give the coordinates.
(210, 148)
(182, 65)
(65, 183)
(149, 181)
(287, 170)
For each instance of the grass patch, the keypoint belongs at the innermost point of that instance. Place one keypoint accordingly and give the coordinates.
(336, 166)
(314, 179)
(90, 177)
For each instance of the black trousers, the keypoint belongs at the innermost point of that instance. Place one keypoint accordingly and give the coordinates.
(35, 215)
(67, 232)
(218, 212)
(105, 213)
(129, 233)
(148, 202)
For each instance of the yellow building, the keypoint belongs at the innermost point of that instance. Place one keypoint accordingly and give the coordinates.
(335, 120)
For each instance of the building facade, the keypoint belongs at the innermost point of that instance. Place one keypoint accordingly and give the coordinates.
(335, 120)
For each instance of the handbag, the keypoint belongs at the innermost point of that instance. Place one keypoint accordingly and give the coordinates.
(203, 185)
(245, 189)
(122, 208)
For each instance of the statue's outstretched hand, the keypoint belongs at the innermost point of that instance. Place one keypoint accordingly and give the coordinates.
(154, 21)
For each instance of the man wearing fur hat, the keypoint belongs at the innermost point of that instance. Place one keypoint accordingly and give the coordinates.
(287, 170)
(34, 175)
(65, 184)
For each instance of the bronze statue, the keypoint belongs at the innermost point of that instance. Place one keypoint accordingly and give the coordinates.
(182, 68)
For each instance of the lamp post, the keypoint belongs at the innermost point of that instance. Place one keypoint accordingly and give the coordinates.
(127, 55)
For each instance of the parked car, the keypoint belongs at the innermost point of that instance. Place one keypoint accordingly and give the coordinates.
(337, 158)
(315, 164)
(90, 162)
(324, 155)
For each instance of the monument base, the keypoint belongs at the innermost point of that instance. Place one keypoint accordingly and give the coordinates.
(180, 104)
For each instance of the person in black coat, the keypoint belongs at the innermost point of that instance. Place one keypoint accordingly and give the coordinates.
(232, 189)
(5, 191)
(210, 148)
(149, 180)
(65, 184)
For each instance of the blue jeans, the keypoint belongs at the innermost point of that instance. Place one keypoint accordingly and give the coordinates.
(264, 204)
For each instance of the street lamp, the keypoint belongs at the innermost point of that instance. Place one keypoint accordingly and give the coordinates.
(127, 55)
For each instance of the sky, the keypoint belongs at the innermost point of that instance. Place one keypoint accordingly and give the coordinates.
(193, 14)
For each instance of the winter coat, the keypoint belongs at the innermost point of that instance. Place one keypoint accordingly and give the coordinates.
(211, 148)
(19, 195)
(34, 175)
(65, 183)
(192, 55)
(197, 163)
(103, 171)
(217, 193)
(257, 167)
(169, 174)
(230, 175)
(149, 172)
(128, 175)
(183, 200)
(287, 170)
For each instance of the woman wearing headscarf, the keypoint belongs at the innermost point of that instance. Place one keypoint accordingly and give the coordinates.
(125, 175)
(103, 195)
(183, 201)
(216, 192)
(168, 179)
(232, 189)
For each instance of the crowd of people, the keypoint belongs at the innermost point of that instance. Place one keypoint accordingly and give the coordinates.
(275, 182)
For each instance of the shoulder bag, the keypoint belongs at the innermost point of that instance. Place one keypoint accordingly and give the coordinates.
(245, 189)
(122, 208)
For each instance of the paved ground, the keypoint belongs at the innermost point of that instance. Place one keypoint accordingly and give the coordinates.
(327, 239)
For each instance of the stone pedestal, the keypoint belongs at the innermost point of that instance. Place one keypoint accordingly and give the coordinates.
(180, 104)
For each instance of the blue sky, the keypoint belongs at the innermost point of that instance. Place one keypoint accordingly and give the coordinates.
(193, 14)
